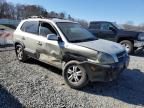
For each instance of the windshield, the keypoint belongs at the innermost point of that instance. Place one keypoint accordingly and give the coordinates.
(118, 26)
(75, 33)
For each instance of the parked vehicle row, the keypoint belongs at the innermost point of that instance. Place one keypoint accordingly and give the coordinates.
(68, 46)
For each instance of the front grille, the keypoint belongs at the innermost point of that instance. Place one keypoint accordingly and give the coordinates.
(121, 56)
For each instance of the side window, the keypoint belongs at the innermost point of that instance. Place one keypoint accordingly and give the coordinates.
(46, 29)
(94, 26)
(30, 27)
(105, 26)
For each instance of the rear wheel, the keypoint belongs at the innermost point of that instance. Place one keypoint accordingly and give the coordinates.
(75, 75)
(128, 45)
(20, 53)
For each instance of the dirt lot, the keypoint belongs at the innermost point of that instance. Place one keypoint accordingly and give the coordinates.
(35, 84)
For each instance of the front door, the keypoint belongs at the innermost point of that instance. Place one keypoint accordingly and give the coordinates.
(49, 50)
(106, 33)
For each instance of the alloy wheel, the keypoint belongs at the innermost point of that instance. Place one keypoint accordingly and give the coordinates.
(74, 74)
(19, 52)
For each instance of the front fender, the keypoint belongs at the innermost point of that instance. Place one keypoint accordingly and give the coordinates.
(72, 56)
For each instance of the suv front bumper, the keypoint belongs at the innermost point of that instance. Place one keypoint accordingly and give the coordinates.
(105, 73)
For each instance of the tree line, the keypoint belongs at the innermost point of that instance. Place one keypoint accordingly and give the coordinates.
(22, 11)
(132, 27)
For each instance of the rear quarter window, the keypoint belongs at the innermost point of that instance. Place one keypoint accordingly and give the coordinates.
(30, 27)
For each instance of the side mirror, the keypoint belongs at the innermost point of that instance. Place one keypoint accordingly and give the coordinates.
(52, 37)
(112, 28)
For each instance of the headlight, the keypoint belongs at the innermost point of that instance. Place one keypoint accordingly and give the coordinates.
(141, 36)
(103, 58)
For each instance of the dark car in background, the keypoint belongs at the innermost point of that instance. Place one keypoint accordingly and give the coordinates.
(131, 40)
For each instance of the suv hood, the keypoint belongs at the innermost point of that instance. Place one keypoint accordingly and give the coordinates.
(103, 46)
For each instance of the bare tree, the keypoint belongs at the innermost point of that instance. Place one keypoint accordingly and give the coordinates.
(20, 11)
(128, 26)
(84, 23)
(62, 15)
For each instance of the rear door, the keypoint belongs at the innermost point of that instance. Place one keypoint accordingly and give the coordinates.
(30, 37)
(94, 28)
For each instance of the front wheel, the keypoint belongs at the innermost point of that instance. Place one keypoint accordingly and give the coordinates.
(75, 75)
(128, 45)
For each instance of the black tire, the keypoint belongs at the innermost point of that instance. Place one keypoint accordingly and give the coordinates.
(128, 46)
(71, 81)
(21, 56)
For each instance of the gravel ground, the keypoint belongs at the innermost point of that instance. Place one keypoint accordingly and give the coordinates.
(37, 85)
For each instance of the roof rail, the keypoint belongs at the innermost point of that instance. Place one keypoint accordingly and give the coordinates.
(36, 17)
(44, 17)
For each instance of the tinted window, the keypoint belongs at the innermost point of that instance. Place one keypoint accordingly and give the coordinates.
(94, 25)
(30, 27)
(46, 29)
(105, 26)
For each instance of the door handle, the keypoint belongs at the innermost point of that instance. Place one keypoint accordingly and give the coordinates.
(23, 38)
(39, 43)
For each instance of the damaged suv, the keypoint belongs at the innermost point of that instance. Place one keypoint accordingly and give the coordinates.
(68, 46)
